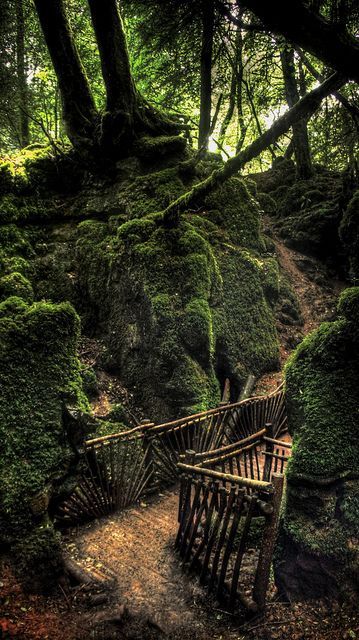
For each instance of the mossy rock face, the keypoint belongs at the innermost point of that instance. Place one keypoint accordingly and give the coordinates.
(234, 209)
(349, 235)
(321, 519)
(309, 214)
(185, 307)
(318, 216)
(15, 284)
(39, 371)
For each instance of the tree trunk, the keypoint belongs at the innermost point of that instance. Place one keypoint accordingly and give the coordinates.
(206, 73)
(235, 94)
(351, 108)
(335, 47)
(22, 92)
(300, 133)
(302, 109)
(116, 71)
(79, 110)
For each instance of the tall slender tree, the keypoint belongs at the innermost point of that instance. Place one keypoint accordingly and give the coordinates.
(79, 111)
(208, 21)
(21, 75)
(300, 133)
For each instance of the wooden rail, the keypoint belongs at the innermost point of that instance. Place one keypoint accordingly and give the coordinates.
(218, 507)
(117, 469)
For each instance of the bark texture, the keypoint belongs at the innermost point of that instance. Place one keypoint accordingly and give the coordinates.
(79, 110)
(115, 63)
(300, 133)
(24, 134)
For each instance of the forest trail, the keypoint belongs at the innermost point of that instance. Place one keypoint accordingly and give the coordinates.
(135, 548)
(317, 294)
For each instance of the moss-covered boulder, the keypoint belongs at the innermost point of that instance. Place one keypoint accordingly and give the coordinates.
(39, 371)
(182, 308)
(349, 234)
(319, 549)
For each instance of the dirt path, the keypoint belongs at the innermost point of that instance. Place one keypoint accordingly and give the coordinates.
(317, 295)
(135, 548)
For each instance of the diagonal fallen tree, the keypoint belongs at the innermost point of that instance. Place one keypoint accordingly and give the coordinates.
(302, 109)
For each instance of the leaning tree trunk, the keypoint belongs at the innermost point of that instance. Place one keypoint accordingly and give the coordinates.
(24, 134)
(79, 110)
(206, 73)
(300, 132)
(302, 109)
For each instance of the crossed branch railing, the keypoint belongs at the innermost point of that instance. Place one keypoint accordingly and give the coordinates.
(224, 494)
(230, 462)
(117, 469)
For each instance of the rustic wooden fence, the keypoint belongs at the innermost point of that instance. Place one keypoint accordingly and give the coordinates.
(117, 469)
(224, 493)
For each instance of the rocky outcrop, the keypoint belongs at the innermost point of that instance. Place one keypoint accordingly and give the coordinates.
(318, 552)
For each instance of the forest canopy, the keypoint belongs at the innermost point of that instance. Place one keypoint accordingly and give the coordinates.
(219, 71)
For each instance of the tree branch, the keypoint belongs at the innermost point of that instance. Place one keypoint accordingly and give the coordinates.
(302, 109)
(351, 108)
(329, 42)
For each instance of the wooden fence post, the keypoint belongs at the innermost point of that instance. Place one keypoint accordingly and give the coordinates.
(147, 444)
(269, 449)
(185, 496)
(268, 541)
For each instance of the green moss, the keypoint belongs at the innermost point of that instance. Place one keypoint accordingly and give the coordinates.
(39, 371)
(152, 148)
(193, 390)
(322, 379)
(94, 255)
(15, 284)
(245, 326)
(39, 558)
(349, 235)
(348, 306)
(15, 263)
(151, 192)
(313, 523)
(12, 306)
(232, 207)
(267, 204)
(89, 382)
(287, 303)
(271, 279)
(197, 330)
(14, 242)
(308, 214)
(15, 208)
(197, 298)
(119, 414)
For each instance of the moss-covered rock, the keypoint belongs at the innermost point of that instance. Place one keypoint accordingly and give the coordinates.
(349, 235)
(177, 303)
(93, 258)
(39, 371)
(319, 547)
(15, 284)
